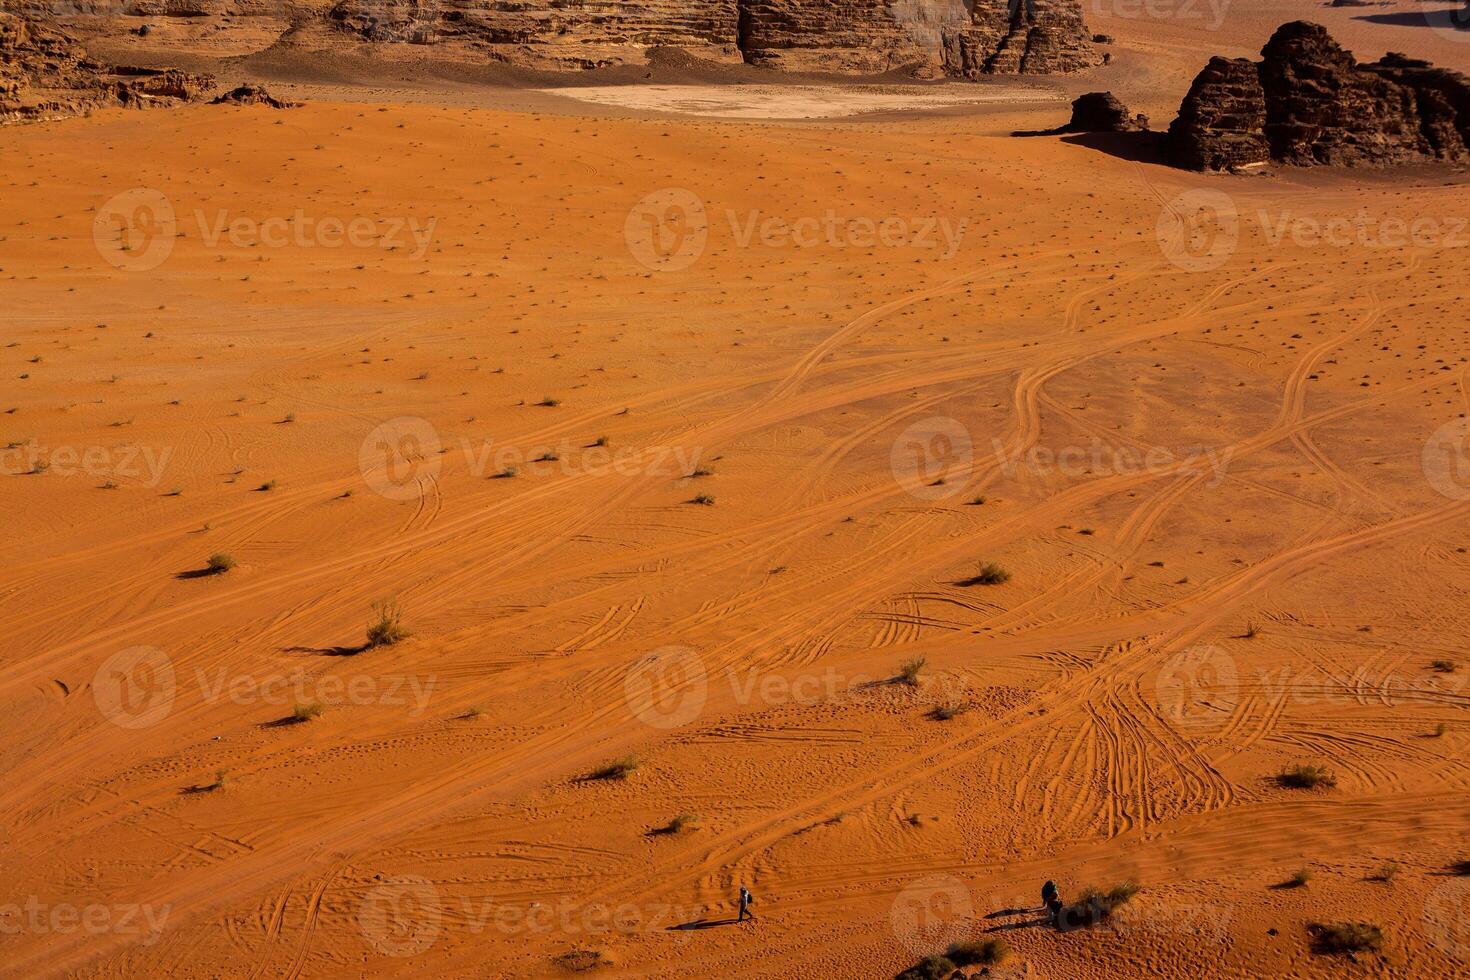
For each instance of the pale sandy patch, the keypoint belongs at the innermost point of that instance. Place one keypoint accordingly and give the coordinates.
(799, 101)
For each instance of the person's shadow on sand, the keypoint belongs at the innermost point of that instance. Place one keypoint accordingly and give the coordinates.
(704, 924)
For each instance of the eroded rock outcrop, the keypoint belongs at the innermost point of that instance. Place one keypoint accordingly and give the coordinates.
(251, 95)
(1102, 112)
(965, 38)
(46, 74)
(1221, 123)
(1309, 103)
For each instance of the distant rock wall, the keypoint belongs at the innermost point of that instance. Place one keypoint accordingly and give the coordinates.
(966, 38)
(1309, 103)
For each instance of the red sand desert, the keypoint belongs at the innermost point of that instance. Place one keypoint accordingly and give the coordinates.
(678, 437)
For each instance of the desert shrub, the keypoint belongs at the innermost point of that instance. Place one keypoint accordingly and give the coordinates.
(306, 712)
(581, 960)
(681, 823)
(219, 563)
(908, 671)
(989, 574)
(617, 769)
(1307, 777)
(948, 710)
(1299, 878)
(387, 629)
(929, 968)
(1443, 666)
(986, 952)
(1346, 937)
(704, 499)
(1094, 905)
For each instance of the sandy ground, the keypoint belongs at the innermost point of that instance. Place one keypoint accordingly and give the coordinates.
(800, 101)
(675, 440)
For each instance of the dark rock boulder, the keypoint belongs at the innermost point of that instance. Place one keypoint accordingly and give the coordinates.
(1101, 112)
(1320, 109)
(1221, 121)
(252, 95)
(1443, 102)
(1309, 103)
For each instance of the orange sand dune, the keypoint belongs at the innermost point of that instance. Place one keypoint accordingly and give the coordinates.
(674, 440)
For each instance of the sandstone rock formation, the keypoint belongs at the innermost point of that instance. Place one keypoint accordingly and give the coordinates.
(967, 38)
(1308, 102)
(964, 38)
(46, 74)
(1102, 112)
(1221, 123)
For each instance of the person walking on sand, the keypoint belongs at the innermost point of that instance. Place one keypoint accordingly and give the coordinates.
(745, 900)
(1051, 900)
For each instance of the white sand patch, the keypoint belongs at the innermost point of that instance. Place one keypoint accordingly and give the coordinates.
(800, 101)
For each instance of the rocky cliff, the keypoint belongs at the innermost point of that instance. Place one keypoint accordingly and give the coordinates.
(1308, 103)
(46, 74)
(962, 38)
